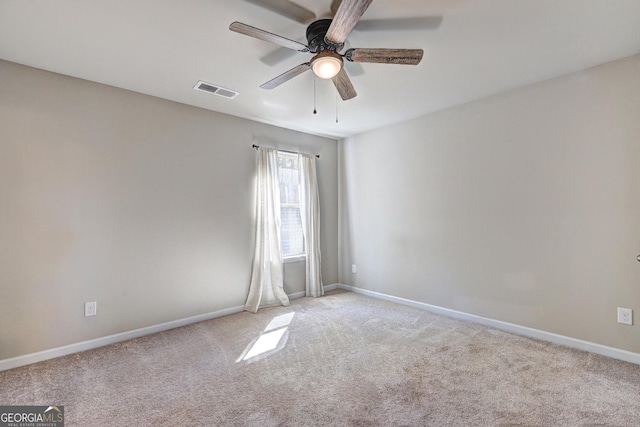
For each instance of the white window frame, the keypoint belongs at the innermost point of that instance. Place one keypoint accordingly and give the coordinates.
(297, 257)
(294, 258)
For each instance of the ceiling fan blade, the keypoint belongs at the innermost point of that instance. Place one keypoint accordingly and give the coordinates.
(287, 9)
(344, 86)
(346, 18)
(385, 56)
(335, 4)
(257, 33)
(286, 76)
(399, 24)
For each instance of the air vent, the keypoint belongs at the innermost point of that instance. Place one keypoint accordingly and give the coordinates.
(216, 90)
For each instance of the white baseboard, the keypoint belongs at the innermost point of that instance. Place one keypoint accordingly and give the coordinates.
(296, 295)
(40, 356)
(302, 294)
(603, 350)
(28, 359)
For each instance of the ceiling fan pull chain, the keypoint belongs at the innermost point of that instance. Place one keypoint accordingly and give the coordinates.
(336, 105)
(314, 95)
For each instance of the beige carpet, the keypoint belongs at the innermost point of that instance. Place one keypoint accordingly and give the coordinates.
(348, 360)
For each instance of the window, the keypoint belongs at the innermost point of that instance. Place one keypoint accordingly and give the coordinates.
(291, 226)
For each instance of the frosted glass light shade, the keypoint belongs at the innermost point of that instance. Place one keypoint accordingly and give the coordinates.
(327, 66)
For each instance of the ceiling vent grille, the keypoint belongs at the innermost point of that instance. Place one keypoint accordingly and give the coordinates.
(216, 90)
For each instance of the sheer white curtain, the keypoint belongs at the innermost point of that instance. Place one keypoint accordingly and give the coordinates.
(310, 213)
(267, 287)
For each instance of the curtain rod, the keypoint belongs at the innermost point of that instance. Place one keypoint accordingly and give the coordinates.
(284, 151)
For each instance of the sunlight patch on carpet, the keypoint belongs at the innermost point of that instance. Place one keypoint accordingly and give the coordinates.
(270, 341)
(280, 321)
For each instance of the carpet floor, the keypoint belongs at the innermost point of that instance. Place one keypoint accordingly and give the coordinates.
(343, 359)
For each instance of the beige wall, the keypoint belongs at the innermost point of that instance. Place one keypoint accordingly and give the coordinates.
(143, 205)
(523, 207)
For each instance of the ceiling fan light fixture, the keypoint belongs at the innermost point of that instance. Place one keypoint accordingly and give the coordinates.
(326, 65)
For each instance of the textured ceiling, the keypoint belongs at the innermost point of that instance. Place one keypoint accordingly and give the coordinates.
(473, 48)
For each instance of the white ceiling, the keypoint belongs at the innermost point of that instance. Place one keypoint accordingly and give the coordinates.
(163, 47)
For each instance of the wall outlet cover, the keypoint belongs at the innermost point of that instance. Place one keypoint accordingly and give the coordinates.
(90, 308)
(625, 316)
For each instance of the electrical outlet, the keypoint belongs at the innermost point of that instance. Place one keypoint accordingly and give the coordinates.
(90, 308)
(625, 316)
(354, 270)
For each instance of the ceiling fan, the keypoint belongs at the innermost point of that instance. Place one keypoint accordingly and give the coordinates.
(326, 38)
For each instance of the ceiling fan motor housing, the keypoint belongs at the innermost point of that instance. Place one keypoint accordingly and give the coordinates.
(316, 32)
